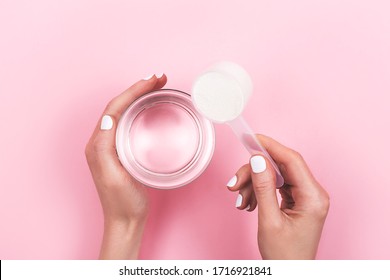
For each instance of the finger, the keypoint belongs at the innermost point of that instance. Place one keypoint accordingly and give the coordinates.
(291, 163)
(240, 179)
(162, 80)
(119, 104)
(129, 96)
(244, 197)
(264, 186)
(253, 202)
(287, 198)
(101, 148)
(305, 190)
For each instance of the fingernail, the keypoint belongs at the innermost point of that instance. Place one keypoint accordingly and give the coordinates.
(148, 77)
(248, 207)
(159, 75)
(258, 164)
(232, 182)
(239, 200)
(106, 123)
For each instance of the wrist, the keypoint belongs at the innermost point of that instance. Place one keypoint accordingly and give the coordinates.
(122, 238)
(124, 223)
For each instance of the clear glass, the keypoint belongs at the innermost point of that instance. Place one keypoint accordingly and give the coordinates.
(162, 141)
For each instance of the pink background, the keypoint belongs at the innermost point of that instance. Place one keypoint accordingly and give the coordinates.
(321, 72)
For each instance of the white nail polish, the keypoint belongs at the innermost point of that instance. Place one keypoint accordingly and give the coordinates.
(148, 77)
(239, 200)
(232, 182)
(106, 123)
(258, 164)
(159, 75)
(248, 207)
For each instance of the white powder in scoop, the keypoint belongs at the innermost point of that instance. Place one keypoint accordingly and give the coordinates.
(218, 97)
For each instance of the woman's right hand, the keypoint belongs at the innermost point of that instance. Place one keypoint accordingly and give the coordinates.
(293, 229)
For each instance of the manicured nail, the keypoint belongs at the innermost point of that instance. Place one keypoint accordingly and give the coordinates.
(239, 200)
(159, 75)
(106, 123)
(248, 207)
(232, 182)
(258, 164)
(148, 77)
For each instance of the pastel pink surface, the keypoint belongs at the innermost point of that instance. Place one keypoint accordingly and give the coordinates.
(321, 74)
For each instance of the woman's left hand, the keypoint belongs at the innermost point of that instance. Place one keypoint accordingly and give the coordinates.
(124, 200)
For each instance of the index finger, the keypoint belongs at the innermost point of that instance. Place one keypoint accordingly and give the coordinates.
(120, 103)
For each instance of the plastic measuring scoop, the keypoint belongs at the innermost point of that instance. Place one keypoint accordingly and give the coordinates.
(220, 94)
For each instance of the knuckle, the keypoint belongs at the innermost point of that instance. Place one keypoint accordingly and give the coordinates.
(99, 144)
(264, 179)
(262, 184)
(322, 205)
(89, 154)
(296, 155)
(87, 150)
(109, 105)
(112, 107)
(96, 146)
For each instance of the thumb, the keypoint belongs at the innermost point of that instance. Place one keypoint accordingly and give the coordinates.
(264, 186)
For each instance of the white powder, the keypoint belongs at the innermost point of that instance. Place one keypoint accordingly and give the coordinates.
(220, 94)
(218, 97)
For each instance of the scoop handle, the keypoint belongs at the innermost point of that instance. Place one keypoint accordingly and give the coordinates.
(253, 145)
